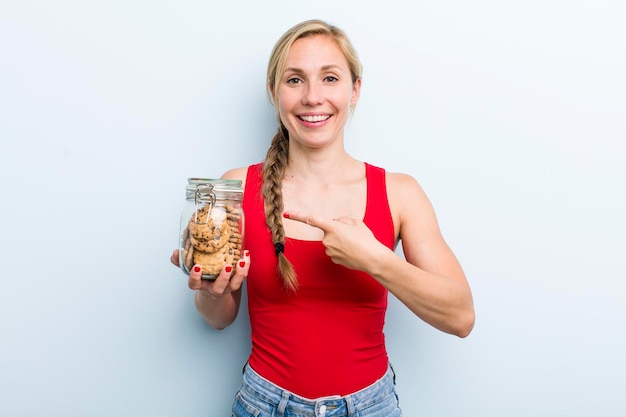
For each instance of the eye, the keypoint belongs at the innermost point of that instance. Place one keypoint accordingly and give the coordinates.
(294, 80)
(331, 79)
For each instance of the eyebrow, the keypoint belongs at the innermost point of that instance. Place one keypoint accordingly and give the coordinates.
(324, 68)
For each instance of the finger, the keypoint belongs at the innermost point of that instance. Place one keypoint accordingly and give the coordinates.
(222, 281)
(241, 271)
(175, 258)
(309, 219)
(195, 277)
(347, 220)
(243, 265)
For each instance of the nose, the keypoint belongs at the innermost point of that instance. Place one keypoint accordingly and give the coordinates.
(313, 94)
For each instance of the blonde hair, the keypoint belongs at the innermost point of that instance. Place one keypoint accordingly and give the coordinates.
(277, 155)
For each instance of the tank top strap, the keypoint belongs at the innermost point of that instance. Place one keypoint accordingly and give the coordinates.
(378, 214)
(252, 189)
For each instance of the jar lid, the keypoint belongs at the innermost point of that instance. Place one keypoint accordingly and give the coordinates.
(217, 183)
(223, 187)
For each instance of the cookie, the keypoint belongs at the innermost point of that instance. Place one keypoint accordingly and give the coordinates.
(213, 238)
(188, 255)
(212, 263)
(209, 237)
(213, 243)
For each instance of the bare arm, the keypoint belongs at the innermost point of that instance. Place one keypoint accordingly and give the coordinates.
(431, 282)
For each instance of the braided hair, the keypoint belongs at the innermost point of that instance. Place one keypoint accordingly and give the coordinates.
(273, 172)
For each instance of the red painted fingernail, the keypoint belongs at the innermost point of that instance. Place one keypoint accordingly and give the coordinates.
(242, 264)
(286, 215)
(228, 268)
(246, 253)
(197, 268)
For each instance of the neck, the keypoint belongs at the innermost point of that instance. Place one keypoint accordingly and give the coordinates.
(322, 167)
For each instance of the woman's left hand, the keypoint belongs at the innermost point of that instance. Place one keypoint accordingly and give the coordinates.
(348, 241)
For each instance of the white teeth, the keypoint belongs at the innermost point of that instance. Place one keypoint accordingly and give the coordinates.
(313, 119)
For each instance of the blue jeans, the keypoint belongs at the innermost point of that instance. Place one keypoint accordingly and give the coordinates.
(258, 397)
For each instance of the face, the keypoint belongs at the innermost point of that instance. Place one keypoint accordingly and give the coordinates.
(316, 93)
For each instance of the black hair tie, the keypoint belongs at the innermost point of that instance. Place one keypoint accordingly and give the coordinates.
(279, 248)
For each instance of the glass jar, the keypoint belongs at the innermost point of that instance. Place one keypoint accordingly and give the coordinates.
(211, 225)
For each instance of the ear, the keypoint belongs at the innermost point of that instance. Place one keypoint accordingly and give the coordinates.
(356, 92)
(271, 93)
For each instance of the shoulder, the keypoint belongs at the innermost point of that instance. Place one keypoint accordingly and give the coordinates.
(236, 174)
(403, 188)
(404, 193)
(410, 206)
(240, 173)
(395, 181)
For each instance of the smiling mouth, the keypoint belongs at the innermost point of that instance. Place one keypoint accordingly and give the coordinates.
(315, 119)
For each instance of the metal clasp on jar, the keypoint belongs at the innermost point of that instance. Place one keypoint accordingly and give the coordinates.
(205, 196)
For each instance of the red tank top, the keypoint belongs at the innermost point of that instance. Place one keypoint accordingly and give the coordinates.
(327, 338)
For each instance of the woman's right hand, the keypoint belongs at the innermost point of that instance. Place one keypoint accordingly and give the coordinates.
(226, 282)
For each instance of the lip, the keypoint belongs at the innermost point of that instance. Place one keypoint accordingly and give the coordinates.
(314, 119)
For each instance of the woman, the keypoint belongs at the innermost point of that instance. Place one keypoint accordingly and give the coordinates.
(322, 228)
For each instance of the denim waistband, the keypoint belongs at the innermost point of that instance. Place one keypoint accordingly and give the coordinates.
(337, 405)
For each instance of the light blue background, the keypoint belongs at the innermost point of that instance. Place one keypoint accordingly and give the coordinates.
(510, 114)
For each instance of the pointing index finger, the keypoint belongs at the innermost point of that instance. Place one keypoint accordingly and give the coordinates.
(308, 219)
